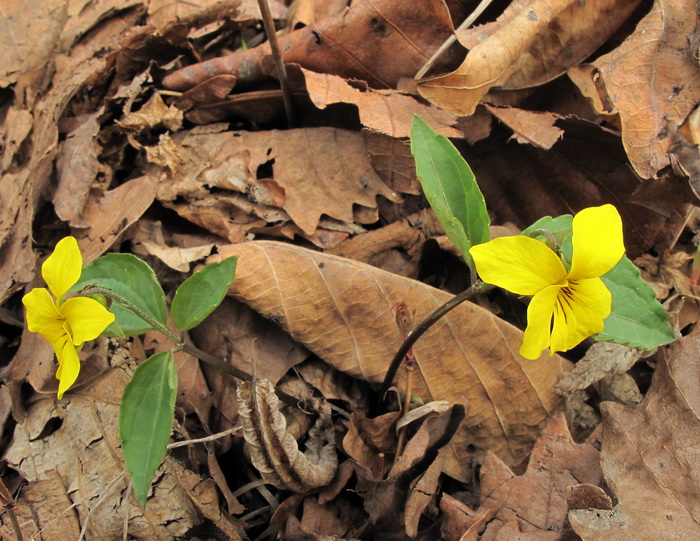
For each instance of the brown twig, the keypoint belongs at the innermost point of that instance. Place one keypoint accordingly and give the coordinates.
(404, 320)
(279, 63)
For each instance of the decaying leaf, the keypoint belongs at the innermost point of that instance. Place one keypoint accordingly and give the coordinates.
(531, 43)
(377, 41)
(652, 81)
(534, 504)
(79, 438)
(342, 311)
(383, 111)
(300, 173)
(274, 451)
(650, 457)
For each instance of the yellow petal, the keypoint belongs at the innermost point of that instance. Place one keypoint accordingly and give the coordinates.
(539, 323)
(68, 366)
(597, 241)
(86, 317)
(63, 267)
(519, 264)
(42, 315)
(579, 313)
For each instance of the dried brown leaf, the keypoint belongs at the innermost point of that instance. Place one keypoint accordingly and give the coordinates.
(310, 172)
(531, 43)
(650, 457)
(80, 440)
(377, 41)
(652, 81)
(342, 311)
(533, 506)
(44, 511)
(383, 111)
(274, 451)
(531, 127)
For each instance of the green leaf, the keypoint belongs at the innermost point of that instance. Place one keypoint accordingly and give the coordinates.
(201, 293)
(637, 319)
(560, 227)
(450, 187)
(133, 279)
(146, 419)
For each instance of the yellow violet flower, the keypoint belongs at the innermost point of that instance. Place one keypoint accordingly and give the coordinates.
(567, 306)
(66, 325)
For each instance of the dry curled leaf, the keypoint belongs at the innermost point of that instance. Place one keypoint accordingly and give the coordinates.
(274, 451)
(652, 81)
(533, 42)
(342, 311)
(651, 459)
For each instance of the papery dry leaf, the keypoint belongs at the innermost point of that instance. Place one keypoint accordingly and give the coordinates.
(305, 172)
(531, 127)
(533, 42)
(652, 81)
(383, 111)
(533, 506)
(650, 457)
(306, 12)
(274, 451)
(154, 113)
(377, 41)
(79, 438)
(77, 167)
(110, 213)
(342, 311)
(44, 512)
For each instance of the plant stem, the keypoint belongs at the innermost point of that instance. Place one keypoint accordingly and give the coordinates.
(421, 329)
(170, 335)
(269, 25)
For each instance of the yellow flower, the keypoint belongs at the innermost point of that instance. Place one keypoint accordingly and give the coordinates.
(567, 306)
(66, 325)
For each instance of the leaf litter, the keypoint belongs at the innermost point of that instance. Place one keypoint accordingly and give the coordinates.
(148, 127)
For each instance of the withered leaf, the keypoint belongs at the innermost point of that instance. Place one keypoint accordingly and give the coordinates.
(304, 172)
(79, 439)
(533, 42)
(384, 111)
(535, 503)
(650, 457)
(274, 451)
(652, 81)
(342, 311)
(377, 41)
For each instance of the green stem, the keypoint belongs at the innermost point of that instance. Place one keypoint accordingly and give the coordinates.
(175, 339)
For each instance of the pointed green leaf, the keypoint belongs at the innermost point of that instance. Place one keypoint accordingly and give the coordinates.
(146, 419)
(450, 187)
(133, 279)
(637, 319)
(201, 293)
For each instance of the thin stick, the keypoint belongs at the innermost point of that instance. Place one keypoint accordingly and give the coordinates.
(279, 64)
(204, 439)
(449, 41)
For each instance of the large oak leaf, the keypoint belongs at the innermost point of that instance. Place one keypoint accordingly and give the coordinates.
(342, 311)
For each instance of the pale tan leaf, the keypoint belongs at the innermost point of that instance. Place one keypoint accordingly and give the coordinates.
(651, 458)
(532, 42)
(342, 311)
(652, 81)
(531, 127)
(79, 438)
(310, 172)
(383, 111)
(274, 451)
